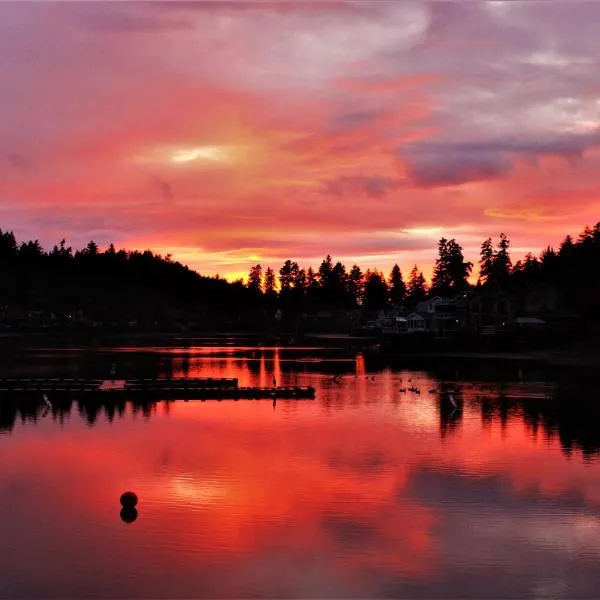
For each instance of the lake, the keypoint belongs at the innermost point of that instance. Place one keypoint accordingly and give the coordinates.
(366, 492)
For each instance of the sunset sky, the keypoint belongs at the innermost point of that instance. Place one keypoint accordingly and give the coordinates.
(229, 133)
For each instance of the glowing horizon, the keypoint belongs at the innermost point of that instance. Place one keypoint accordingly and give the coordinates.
(231, 134)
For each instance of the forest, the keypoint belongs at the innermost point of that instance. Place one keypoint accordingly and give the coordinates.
(122, 285)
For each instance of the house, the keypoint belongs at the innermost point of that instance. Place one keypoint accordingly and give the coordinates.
(443, 315)
(540, 299)
(489, 311)
(416, 323)
(396, 320)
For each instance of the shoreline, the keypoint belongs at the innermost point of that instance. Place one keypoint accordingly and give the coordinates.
(579, 355)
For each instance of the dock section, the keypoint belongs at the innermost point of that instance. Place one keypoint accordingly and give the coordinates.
(104, 390)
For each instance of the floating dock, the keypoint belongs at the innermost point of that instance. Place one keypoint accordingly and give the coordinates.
(146, 389)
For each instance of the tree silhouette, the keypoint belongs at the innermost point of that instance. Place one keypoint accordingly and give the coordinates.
(502, 265)
(451, 271)
(376, 290)
(117, 287)
(286, 275)
(325, 270)
(355, 285)
(486, 261)
(270, 283)
(397, 285)
(255, 279)
(416, 288)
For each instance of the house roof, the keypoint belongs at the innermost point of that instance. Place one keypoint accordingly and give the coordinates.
(415, 316)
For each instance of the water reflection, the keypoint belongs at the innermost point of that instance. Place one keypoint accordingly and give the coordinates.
(568, 419)
(365, 492)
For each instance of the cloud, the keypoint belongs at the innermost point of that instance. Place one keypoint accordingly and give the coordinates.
(164, 187)
(450, 162)
(372, 186)
(457, 115)
(20, 162)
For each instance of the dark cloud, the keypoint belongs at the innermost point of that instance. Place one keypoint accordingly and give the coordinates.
(375, 186)
(446, 162)
(20, 161)
(164, 187)
(352, 119)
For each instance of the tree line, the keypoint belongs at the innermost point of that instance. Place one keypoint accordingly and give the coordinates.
(573, 269)
(145, 284)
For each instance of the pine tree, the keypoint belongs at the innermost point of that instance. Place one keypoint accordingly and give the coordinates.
(440, 282)
(458, 268)
(286, 275)
(397, 285)
(486, 262)
(269, 283)
(502, 264)
(416, 288)
(354, 285)
(325, 270)
(451, 271)
(312, 282)
(376, 290)
(255, 278)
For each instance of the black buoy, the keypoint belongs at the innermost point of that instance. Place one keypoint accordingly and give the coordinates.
(128, 514)
(128, 500)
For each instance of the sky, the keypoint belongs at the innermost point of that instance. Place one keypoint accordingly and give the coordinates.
(231, 133)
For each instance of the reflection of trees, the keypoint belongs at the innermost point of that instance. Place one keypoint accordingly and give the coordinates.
(573, 420)
(29, 410)
(450, 417)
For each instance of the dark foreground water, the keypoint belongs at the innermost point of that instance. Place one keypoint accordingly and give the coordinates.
(365, 492)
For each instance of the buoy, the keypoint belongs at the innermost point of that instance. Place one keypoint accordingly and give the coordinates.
(128, 514)
(128, 500)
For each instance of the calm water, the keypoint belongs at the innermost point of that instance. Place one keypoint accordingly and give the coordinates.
(365, 492)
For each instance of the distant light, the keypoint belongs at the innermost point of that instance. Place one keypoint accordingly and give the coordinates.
(425, 231)
(214, 153)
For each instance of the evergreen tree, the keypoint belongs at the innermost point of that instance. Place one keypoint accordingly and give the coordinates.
(92, 249)
(397, 285)
(312, 289)
(440, 282)
(255, 278)
(376, 290)
(451, 271)
(286, 276)
(300, 279)
(486, 261)
(566, 248)
(312, 282)
(354, 285)
(416, 288)
(502, 265)
(269, 282)
(325, 271)
(8, 245)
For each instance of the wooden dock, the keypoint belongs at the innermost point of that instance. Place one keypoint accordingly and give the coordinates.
(104, 390)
